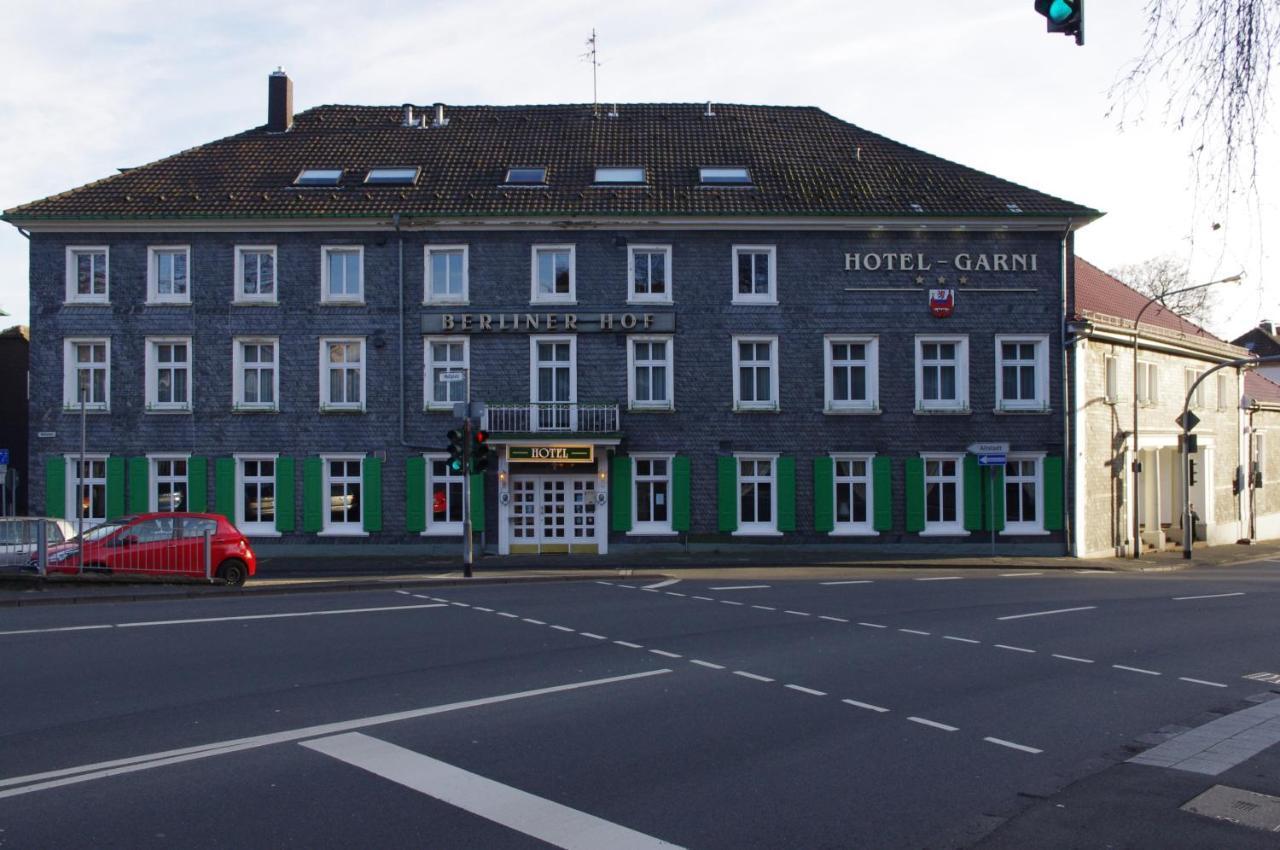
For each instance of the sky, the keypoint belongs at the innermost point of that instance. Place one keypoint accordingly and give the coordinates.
(95, 85)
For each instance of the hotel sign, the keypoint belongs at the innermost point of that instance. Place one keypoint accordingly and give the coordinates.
(551, 454)
(470, 323)
(918, 262)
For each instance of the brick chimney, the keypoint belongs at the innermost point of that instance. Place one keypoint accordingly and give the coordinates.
(1268, 327)
(279, 101)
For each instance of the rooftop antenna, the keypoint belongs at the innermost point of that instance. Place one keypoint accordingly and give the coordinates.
(592, 57)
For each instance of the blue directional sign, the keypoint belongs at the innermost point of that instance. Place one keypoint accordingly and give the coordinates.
(4, 457)
(992, 460)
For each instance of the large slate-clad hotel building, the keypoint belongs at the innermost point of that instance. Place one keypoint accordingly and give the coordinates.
(693, 323)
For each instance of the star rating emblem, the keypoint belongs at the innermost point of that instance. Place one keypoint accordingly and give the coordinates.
(919, 280)
(964, 278)
(942, 278)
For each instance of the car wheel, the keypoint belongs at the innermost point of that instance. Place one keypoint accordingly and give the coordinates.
(233, 572)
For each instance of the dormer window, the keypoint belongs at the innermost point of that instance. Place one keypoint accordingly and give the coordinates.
(618, 174)
(318, 177)
(725, 175)
(526, 176)
(400, 176)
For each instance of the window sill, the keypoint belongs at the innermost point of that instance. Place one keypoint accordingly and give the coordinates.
(852, 411)
(644, 408)
(168, 303)
(168, 411)
(943, 411)
(947, 532)
(1030, 532)
(344, 302)
(255, 303)
(442, 302)
(650, 302)
(341, 410)
(254, 410)
(248, 531)
(86, 303)
(442, 532)
(88, 408)
(657, 532)
(754, 302)
(440, 408)
(554, 302)
(741, 409)
(1022, 411)
(756, 533)
(870, 532)
(341, 532)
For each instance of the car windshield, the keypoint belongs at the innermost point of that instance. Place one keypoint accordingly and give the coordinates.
(104, 530)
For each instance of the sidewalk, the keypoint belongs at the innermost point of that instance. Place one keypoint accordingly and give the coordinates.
(318, 573)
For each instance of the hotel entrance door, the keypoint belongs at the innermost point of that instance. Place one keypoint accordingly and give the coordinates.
(553, 514)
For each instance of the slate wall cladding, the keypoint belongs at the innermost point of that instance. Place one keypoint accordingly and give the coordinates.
(813, 301)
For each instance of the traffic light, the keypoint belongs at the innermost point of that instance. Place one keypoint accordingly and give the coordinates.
(1063, 16)
(479, 450)
(455, 450)
(1191, 471)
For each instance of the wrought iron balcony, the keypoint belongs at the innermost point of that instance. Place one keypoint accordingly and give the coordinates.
(551, 417)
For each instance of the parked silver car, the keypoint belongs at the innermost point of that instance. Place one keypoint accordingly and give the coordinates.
(18, 536)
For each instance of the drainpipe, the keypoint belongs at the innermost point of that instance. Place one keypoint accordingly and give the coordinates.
(1069, 495)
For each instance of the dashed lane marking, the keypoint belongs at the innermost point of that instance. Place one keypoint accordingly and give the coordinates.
(1072, 658)
(765, 607)
(562, 629)
(701, 663)
(915, 632)
(855, 581)
(1047, 613)
(873, 625)
(798, 613)
(1011, 745)
(1019, 575)
(744, 674)
(941, 578)
(1012, 648)
(665, 654)
(673, 593)
(832, 619)
(731, 602)
(935, 724)
(531, 620)
(1209, 596)
(460, 604)
(512, 616)
(1136, 670)
(486, 610)
(593, 636)
(704, 598)
(628, 645)
(960, 639)
(404, 592)
(868, 706)
(805, 690)
(666, 583)
(1201, 682)
(742, 587)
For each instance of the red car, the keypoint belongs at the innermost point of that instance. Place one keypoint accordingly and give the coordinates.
(160, 544)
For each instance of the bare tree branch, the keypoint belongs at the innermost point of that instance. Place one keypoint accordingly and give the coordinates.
(1157, 277)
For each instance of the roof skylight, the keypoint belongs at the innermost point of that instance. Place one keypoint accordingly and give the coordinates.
(397, 176)
(1013, 208)
(724, 174)
(318, 177)
(619, 174)
(527, 176)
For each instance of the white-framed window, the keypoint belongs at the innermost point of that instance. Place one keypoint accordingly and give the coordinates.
(444, 497)
(553, 274)
(755, 373)
(87, 488)
(1023, 494)
(342, 274)
(853, 502)
(650, 372)
(168, 373)
(852, 373)
(256, 373)
(256, 495)
(651, 494)
(757, 494)
(446, 274)
(553, 362)
(168, 483)
(255, 274)
(342, 373)
(1189, 377)
(1022, 373)
(169, 274)
(1111, 378)
(343, 485)
(1226, 390)
(942, 373)
(755, 274)
(943, 494)
(86, 372)
(649, 274)
(1147, 383)
(88, 274)
(446, 354)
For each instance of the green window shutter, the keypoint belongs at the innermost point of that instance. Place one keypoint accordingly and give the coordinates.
(882, 493)
(224, 488)
(973, 483)
(371, 486)
(115, 486)
(727, 492)
(312, 494)
(680, 494)
(915, 494)
(824, 509)
(620, 493)
(786, 494)
(1053, 493)
(415, 494)
(139, 485)
(477, 502)
(55, 487)
(284, 503)
(198, 483)
(993, 510)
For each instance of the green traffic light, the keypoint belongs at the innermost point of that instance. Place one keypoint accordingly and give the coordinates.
(1060, 10)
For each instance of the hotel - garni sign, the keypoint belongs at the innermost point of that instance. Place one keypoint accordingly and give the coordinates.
(547, 322)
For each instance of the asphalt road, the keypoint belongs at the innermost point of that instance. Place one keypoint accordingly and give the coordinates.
(891, 709)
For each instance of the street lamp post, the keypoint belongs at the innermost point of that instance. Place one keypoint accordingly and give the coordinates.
(1136, 466)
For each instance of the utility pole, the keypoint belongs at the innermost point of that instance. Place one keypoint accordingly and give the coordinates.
(468, 552)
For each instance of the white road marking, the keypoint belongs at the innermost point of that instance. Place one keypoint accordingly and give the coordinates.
(873, 625)
(665, 654)
(1047, 613)
(832, 619)
(562, 628)
(706, 664)
(404, 592)
(1210, 596)
(627, 586)
(868, 706)
(673, 593)
(512, 616)
(704, 598)
(460, 604)
(941, 578)
(1073, 658)
(535, 622)
(1011, 745)
(1135, 670)
(65, 629)
(608, 583)
(855, 581)
(935, 724)
(914, 632)
(424, 596)
(486, 610)
(86, 772)
(731, 602)
(593, 636)
(271, 616)
(557, 825)
(805, 690)
(1201, 682)
(666, 583)
(628, 645)
(650, 589)
(765, 607)
(960, 639)
(1019, 575)
(741, 587)
(744, 674)
(1014, 648)
(798, 613)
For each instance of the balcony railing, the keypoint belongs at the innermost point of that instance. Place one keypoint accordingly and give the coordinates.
(551, 417)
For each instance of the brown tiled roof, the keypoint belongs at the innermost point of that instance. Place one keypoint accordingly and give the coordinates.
(804, 162)
(1259, 387)
(1099, 292)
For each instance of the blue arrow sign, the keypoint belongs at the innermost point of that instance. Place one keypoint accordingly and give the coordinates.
(4, 457)
(992, 460)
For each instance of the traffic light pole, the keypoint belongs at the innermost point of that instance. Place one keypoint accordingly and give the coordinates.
(468, 553)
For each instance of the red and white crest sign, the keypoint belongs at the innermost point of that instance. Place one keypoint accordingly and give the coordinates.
(942, 302)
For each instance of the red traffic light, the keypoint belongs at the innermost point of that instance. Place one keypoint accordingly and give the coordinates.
(480, 436)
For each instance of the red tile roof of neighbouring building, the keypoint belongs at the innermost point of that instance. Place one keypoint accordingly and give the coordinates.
(1260, 388)
(1099, 292)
